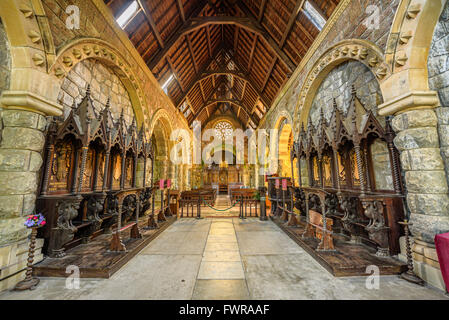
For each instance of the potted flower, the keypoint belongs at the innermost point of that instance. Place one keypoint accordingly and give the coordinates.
(33, 222)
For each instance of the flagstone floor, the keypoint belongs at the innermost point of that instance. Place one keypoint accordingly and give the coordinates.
(224, 258)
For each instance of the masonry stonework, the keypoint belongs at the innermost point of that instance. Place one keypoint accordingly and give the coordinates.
(5, 60)
(337, 85)
(104, 85)
(438, 66)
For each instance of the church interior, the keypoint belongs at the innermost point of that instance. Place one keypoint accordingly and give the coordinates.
(224, 149)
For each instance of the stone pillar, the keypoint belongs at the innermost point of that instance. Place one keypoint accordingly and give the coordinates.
(21, 147)
(417, 140)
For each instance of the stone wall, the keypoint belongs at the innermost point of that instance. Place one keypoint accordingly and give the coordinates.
(337, 85)
(5, 60)
(381, 165)
(104, 85)
(438, 65)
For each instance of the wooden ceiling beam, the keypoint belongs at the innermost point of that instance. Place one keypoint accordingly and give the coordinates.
(192, 56)
(251, 55)
(209, 45)
(202, 91)
(147, 14)
(270, 69)
(236, 38)
(243, 90)
(241, 76)
(232, 101)
(256, 89)
(181, 10)
(268, 38)
(262, 10)
(291, 21)
(197, 78)
(175, 75)
(305, 31)
(162, 54)
(249, 24)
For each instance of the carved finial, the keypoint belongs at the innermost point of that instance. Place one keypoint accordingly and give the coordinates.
(88, 91)
(108, 104)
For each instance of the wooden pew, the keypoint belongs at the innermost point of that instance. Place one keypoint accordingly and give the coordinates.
(189, 199)
(316, 221)
(116, 241)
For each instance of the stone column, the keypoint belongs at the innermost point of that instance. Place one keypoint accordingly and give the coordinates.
(21, 147)
(417, 140)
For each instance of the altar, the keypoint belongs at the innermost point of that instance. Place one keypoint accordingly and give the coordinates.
(222, 176)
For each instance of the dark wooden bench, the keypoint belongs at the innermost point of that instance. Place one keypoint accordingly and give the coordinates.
(189, 199)
(316, 221)
(116, 241)
(317, 226)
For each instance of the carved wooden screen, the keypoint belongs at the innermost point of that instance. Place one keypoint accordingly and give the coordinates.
(316, 171)
(327, 170)
(62, 167)
(129, 170)
(100, 172)
(115, 171)
(342, 172)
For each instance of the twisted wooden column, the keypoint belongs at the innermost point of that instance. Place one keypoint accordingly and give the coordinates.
(29, 282)
(83, 167)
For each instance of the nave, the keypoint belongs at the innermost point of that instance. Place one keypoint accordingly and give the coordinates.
(229, 259)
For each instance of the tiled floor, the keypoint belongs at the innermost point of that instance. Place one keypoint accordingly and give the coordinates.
(225, 258)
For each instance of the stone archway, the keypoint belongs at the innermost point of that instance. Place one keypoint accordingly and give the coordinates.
(353, 49)
(284, 144)
(89, 48)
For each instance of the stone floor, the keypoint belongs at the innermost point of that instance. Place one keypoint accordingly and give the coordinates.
(225, 258)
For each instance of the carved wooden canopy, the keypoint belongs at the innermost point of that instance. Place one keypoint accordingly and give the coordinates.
(86, 125)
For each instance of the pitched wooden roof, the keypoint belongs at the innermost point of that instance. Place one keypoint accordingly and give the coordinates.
(222, 54)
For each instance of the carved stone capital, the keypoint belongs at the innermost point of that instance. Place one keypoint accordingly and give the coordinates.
(30, 101)
(410, 101)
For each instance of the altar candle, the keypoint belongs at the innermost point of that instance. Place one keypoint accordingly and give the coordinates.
(161, 184)
(277, 184)
(168, 183)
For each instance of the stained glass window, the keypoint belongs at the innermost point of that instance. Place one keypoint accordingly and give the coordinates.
(223, 129)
